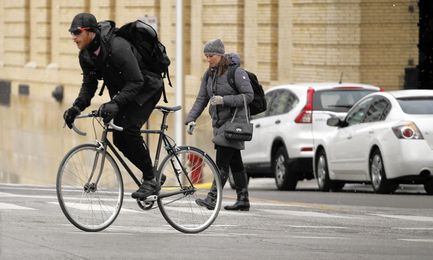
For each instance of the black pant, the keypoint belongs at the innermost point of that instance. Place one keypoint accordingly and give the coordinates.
(229, 158)
(130, 141)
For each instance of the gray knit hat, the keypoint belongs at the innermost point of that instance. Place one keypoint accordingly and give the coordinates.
(214, 47)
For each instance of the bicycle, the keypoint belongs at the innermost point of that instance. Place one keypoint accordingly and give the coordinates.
(90, 187)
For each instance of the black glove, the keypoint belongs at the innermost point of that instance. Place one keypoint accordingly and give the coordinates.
(70, 115)
(108, 111)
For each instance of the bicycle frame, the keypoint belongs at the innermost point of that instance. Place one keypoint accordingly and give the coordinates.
(162, 139)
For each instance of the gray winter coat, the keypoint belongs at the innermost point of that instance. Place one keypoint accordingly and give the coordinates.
(220, 114)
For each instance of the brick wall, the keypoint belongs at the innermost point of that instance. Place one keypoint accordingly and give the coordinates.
(284, 41)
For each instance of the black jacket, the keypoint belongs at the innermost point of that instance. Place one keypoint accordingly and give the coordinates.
(121, 68)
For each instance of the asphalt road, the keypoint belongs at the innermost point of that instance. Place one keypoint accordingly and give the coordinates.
(302, 224)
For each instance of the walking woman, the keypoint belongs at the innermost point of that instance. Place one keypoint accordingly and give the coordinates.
(224, 99)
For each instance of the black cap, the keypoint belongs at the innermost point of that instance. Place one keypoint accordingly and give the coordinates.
(83, 20)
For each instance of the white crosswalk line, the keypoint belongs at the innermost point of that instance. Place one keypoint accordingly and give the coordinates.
(84, 206)
(10, 206)
(306, 214)
(406, 217)
(416, 240)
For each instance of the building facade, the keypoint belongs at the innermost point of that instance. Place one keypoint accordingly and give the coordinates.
(282, 41)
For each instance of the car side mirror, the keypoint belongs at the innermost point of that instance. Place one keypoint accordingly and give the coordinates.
(334, 121)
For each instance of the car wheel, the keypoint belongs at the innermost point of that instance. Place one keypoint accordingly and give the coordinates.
(428, 186)
(284, 178)
(323, 181)
(378, 176)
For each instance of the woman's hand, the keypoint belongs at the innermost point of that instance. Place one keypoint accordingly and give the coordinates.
(190, 127)
(216, 100)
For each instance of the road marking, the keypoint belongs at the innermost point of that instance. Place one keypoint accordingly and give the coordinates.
(13, 206)
(413, 228)
(406, 217)
(306, 214)
(4, 194)
(319, 227)
(315, 237)
(416, 240)
(25, 187)
(93, 207)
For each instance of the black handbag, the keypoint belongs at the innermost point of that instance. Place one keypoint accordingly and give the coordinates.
(239, 130)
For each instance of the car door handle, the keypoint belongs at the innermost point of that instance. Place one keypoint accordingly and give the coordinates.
(349, 137)
(371, 132)
(257, 125)
(277, 121)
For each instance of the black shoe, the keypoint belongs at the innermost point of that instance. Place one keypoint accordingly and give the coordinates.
(209, 202)
(147, 188)
(242, 205)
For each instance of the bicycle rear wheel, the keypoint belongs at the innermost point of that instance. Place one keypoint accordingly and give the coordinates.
(190, 174)
(89, 204)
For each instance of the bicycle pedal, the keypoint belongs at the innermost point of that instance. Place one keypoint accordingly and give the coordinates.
(151, 198)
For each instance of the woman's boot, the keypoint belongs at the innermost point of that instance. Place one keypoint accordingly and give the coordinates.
(210, 201)
(242, 203)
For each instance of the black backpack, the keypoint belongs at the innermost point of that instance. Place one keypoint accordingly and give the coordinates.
(258, 104)
(145, 39)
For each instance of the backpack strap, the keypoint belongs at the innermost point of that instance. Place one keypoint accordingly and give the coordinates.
(166, 74)
(231, 76)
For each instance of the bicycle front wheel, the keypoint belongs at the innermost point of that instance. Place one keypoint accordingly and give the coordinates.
(190, 175)
(89, 188)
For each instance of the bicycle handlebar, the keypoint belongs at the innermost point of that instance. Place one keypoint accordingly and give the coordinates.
(94, 114)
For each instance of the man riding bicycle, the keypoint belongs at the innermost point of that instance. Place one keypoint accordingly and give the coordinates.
(133, 89)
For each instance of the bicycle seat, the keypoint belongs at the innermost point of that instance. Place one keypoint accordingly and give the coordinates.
(168, 109)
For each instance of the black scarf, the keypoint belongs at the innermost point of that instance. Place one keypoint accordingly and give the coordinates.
(96, 42)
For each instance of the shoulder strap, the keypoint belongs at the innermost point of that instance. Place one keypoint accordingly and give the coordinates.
(231, 76)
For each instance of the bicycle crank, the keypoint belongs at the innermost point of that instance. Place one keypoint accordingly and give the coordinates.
(147, 203)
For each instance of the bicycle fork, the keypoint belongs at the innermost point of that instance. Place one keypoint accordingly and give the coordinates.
(93, 186)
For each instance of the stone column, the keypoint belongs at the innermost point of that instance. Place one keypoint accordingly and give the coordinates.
(285, 43)
(250, 57)
(2, 33)
(196, 42)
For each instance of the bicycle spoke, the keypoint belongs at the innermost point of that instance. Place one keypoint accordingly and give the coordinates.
(89, 204)
(178, 195)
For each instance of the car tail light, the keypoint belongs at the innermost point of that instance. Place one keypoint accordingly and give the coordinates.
(305, 117)
(407, 130)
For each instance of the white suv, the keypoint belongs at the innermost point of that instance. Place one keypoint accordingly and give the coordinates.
(283, 138)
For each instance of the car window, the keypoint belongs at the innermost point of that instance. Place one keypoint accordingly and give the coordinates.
(416, 105)
(283, 101)
(338, 100)
(378, 110)
(357, 114)
(269, 96)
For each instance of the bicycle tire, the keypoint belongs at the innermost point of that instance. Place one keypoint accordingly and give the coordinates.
(180, 209)
(89, 207)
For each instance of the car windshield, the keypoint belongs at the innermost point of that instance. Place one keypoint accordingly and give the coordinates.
(416, 105)
(338, 100)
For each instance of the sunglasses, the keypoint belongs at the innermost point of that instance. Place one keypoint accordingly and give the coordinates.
(79, 30)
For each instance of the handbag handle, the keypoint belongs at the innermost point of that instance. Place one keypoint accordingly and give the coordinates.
(245, 108)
